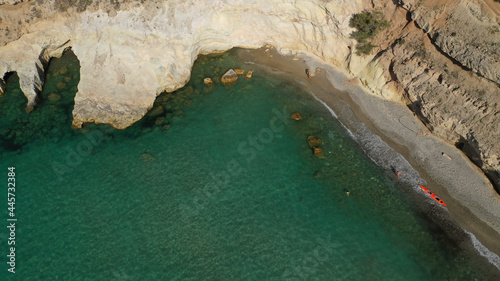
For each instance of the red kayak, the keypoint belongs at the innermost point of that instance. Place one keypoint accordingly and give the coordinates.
(434, 196)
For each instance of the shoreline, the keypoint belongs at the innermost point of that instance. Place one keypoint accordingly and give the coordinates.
(473, 204)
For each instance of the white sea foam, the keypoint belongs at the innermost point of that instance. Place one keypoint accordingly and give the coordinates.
(483, 251)
(379, 151)
(385, 156)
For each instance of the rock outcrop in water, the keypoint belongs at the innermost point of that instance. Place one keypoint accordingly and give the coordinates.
(229, 77)
(439, 57)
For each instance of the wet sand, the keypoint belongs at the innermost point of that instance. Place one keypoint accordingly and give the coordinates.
(472, 201)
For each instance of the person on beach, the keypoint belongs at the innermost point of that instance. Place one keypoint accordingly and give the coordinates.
(398, 173)
(347, 193)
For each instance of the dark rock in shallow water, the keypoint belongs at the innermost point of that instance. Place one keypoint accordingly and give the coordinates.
(156, 111)
(53, 97)
(318, 152)
(61, 85)
(147, 157)
(318, 174)
(165, 128)
(159, 121)
(313, 141)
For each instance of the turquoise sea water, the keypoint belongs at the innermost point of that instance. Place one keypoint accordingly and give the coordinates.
(215, 183)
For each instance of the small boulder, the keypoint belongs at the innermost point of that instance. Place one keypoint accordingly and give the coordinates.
(318, 152)
(229, 77)
(239, 71)
(296, 116)
(208, 81)
(313, 142)
(249, 74)
(310, 74)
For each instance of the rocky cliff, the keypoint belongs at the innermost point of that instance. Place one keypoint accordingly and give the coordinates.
(439, 57)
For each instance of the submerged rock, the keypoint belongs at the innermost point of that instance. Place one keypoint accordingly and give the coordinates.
(61, 85)
(239, 71)
(296, 116)
(159, 121)
(208, 81)
(318, 152)
(156, 111)
(53, 97)
(165, 127)
(313, 142)
(249, 74)
(63, 70)
(147, 157)
(229, 77)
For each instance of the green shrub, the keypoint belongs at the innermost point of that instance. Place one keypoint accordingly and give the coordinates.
(367, 27)
(364, 48)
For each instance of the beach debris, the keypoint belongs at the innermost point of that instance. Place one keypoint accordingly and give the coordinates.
(229, 77)
(239, 71)
(318, 152)
(61, 85)
(208, 81)
(249, 74)
(309, 73)
(446, 155)
(313, 141)
(296, 116)
(53, 97)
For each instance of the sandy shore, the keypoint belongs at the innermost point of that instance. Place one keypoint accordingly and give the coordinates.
(406, 144)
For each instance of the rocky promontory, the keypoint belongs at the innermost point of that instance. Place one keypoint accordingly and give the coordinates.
(441, 58)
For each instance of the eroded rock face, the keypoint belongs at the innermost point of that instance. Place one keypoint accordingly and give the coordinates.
(137, 50)
(439, 57)
(467, 31)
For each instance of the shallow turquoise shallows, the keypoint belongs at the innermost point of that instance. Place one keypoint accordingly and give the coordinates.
(215, 183)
